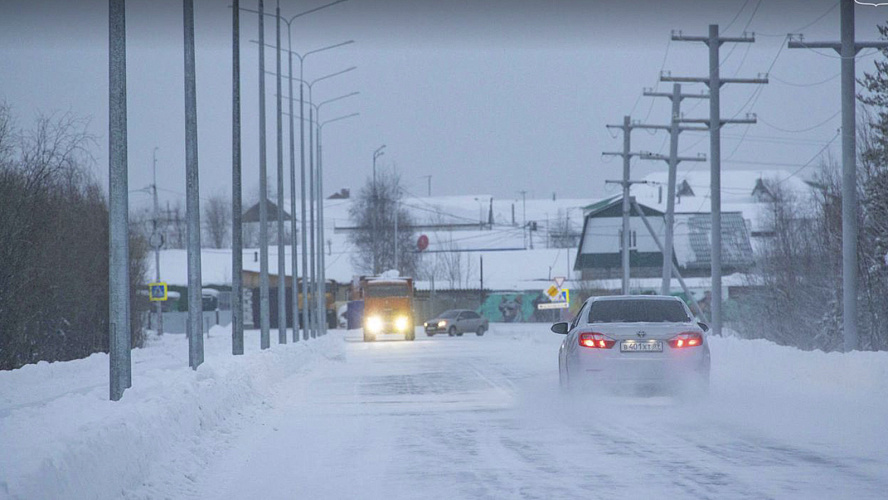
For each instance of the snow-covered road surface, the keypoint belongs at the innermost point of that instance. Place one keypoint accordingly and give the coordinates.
(482, 417)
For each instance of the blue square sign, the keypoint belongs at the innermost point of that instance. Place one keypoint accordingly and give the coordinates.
(157, 291)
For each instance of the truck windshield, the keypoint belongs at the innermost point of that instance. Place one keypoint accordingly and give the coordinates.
(637, 311)
(387, 290)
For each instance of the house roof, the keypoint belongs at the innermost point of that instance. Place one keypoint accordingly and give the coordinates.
(252, 215)
(692, 247)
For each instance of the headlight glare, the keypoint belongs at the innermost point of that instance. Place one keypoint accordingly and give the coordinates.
(374, 324)
(401, 323)
(442, 324)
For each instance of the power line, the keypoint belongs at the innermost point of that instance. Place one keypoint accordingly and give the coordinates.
(793, 84)
(803, 28)
(737, 15)
(807, 129)
(838, 132)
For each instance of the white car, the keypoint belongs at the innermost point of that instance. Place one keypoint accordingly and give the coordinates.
(634, 342)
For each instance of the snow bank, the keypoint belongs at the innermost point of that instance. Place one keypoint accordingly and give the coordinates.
(62, 438)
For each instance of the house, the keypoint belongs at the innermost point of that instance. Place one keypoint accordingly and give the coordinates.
(599, 255)
(743, 191)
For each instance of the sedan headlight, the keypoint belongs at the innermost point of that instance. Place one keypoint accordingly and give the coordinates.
(442, 324)
(401, 323)
(374, 324)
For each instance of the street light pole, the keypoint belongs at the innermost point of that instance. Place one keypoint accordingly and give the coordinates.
(289, 23)
(281, 258)
(264, 341)
(376, 154)
(192, 199)
(237, 241)
(156, 239)
(118, 221)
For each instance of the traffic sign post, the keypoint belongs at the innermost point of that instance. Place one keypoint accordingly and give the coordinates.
(559, 297)
(157, 292)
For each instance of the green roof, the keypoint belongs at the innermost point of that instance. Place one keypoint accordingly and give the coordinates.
(598, 205)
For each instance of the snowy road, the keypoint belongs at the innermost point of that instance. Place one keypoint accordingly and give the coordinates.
(481, 418)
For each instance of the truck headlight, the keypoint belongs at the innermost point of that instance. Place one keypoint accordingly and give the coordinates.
(374, 324)
(401, 323)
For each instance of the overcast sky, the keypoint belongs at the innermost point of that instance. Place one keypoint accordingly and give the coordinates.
(486, 96)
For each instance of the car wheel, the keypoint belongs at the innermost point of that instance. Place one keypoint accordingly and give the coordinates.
(481, 330)
(410, 336)
(452, 331)
(369, 338)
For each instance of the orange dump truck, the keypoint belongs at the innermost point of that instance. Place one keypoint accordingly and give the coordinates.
(388, 307)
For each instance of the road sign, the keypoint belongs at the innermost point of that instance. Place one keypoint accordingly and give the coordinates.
(559, 280)
(552, 292)
(157, 291)
(422, 243)
(553, 305)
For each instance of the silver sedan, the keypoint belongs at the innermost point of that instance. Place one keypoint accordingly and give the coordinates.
(634, 342)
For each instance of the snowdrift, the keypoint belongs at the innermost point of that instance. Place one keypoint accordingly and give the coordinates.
(62, 438)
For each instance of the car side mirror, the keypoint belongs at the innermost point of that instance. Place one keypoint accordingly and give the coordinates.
(703, 325)
(561, 328)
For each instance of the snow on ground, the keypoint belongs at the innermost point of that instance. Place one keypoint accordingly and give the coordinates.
(61, 438)
(466, 417)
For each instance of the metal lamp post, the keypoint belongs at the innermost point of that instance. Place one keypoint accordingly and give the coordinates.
(289, 22)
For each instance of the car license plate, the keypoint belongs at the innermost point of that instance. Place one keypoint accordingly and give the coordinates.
(644, 346)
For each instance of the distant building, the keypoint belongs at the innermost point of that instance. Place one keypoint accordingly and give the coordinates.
(600, 250)
(343, 194)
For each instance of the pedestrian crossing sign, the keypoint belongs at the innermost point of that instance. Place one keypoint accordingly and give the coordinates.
(157, 291)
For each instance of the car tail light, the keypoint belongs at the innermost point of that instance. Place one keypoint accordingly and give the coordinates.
(595, 340)
(686, 339)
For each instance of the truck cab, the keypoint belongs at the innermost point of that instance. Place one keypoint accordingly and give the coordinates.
(388, 307)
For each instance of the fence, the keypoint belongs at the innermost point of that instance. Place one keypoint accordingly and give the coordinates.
(174, 322)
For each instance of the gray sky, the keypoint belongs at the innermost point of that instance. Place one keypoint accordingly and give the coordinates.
(487, 96)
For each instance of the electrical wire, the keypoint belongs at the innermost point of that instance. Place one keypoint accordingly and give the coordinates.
(817, 155)
(736, 16)
(793, 84)
(807, 129)
(803, 28)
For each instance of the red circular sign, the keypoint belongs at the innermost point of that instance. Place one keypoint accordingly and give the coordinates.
(422, 243)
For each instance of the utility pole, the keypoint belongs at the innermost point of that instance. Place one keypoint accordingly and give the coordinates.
(118, 222)
(396, 231)
(376, 154)
(847, 49)
(627, 155)
(673, 160)
(192, 198)
(237, 237)
(264, 340)
(524, 216)
(715, 123)
(675, 271)
(281, 247)
(156, 239)
(429, 179)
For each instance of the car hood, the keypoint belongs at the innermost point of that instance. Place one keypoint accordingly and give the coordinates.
(625, 331)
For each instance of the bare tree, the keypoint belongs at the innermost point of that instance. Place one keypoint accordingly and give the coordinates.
(217, 220)
(54, 245)
(373, 212)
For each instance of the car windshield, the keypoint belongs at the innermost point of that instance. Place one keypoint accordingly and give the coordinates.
(449, 314)
(637, 311)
